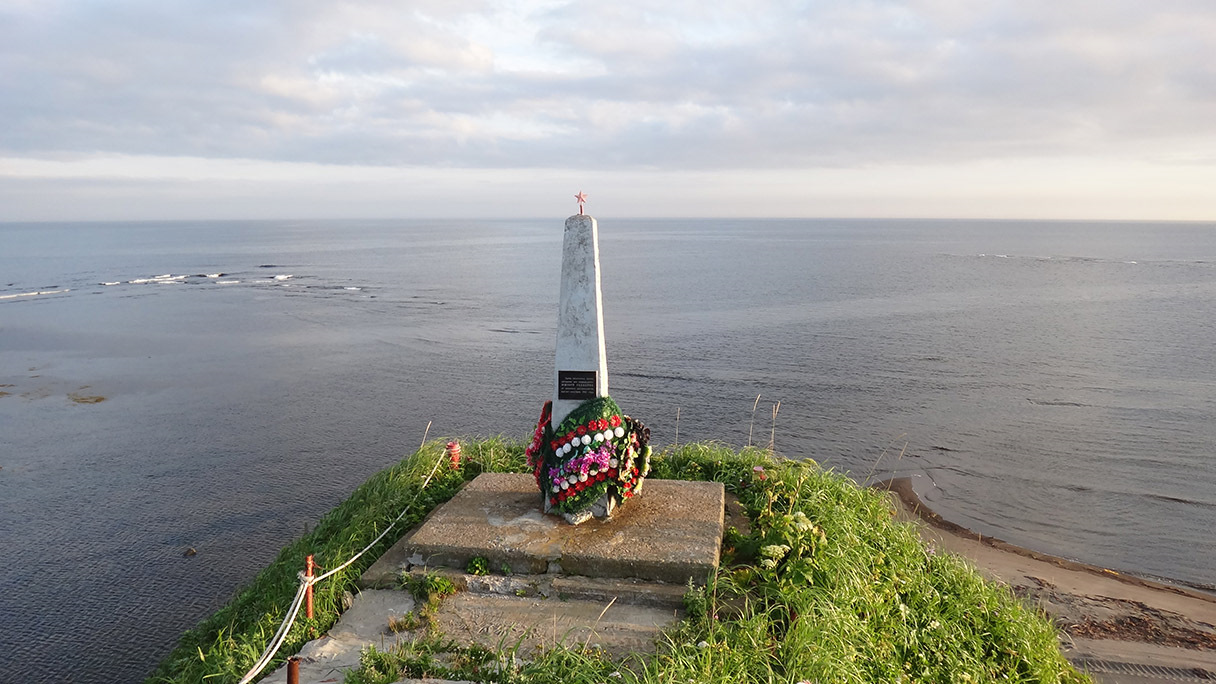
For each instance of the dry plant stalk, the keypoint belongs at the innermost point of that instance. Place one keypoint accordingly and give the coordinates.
(753, 422)
(772, 438)
(424, 434)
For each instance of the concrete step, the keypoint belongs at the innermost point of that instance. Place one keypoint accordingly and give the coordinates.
(525, 625)
(629, 591)
(530, 625)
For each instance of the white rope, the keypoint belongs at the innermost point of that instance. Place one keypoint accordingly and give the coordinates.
(273, 646)
(390, 526)
(305, 582)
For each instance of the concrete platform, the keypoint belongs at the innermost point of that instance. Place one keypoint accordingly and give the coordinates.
(671, 532)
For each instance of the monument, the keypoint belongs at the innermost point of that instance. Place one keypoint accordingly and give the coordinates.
(587, 456)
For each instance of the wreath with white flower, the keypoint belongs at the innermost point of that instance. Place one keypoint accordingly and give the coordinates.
(596, 451)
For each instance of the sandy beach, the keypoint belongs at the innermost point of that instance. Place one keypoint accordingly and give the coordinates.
(1118, 627)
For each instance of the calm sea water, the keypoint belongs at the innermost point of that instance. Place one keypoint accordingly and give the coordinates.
(1053, 384)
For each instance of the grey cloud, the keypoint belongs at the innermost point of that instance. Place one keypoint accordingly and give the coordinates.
(694, 85)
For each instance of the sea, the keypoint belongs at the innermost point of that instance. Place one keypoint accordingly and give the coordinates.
(219, 386)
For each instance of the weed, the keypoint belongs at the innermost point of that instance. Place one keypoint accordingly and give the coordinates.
(428, 589)
(403, 623)
(478, 565)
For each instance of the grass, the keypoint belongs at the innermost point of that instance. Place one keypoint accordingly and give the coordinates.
(224, 646)
(826, 587)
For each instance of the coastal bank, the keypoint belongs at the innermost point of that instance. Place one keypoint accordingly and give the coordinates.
(819, 580)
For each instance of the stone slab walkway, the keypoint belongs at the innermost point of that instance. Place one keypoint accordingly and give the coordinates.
(614, 585)
(527, 624)
(365, 623)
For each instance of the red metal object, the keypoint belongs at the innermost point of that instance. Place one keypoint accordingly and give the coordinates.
(453, 452)
(293, 670)
(309, 566)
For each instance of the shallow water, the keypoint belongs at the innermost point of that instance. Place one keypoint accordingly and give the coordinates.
(1052, 384)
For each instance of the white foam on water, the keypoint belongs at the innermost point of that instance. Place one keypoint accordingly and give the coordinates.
(166, 278)
(227, 282)
(356, 289)
(116, 282)
(35, 294)
(283, 277)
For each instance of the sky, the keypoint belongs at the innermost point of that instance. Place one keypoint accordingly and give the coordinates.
(231, 109)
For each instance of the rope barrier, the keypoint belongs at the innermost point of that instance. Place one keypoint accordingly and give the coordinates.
(306, 583)
(279, 636)
(382, 534)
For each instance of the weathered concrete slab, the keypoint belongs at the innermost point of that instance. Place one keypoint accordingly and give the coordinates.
(624, 590)
(329, 658)
(540, 624)
(671, 532)
(535, 623)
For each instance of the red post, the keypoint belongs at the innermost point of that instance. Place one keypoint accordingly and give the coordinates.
(293, 670)
(308, 568)
(454, 454)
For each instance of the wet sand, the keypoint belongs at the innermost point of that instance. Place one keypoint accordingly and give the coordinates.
(1119, 627)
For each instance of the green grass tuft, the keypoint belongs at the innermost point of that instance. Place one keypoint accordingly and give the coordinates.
(478, 565)
(429, 588)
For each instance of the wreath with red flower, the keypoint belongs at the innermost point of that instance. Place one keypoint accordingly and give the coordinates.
(596, 450)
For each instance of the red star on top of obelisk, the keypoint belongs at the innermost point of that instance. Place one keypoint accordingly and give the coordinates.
(581, 197)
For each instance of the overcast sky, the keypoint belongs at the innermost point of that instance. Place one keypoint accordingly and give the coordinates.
(939, 108)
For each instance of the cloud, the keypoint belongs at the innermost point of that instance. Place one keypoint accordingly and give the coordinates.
(681, 86)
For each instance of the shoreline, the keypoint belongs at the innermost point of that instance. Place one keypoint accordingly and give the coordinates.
(1106, 618)
(902, 488)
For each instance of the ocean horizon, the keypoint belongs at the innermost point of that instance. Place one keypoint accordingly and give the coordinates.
(220, 385)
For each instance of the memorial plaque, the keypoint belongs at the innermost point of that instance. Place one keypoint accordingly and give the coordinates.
(576, 385)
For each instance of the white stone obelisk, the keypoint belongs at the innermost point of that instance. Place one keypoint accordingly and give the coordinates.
(581, 370)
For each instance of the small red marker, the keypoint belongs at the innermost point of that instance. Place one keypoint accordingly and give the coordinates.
(581, 197)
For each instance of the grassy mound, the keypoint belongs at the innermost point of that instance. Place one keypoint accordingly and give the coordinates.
(223, 647)
(825, 587)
